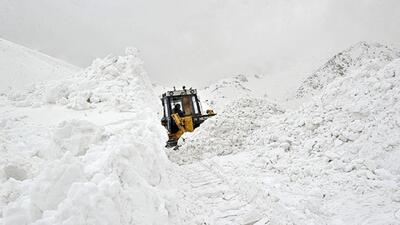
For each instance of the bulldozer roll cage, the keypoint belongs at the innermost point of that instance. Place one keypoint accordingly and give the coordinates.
(192, 116)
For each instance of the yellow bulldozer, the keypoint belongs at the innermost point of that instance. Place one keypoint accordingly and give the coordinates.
(182, 113)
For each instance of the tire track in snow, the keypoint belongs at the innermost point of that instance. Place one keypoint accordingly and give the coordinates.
(210, 198)
(215, 195)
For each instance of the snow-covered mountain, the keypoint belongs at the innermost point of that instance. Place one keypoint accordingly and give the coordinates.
(20, 66)
(371, 56)
(218, 94)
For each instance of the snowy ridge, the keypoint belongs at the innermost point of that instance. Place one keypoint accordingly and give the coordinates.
(20, 66)
(110, 83)
(362, 54)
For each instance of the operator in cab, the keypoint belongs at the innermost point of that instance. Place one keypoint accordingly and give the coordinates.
(177, 109)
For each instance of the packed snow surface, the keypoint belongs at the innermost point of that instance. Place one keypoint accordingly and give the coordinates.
(88, 149)
(20, 66)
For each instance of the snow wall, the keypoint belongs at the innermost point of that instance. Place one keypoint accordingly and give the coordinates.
(93, 176)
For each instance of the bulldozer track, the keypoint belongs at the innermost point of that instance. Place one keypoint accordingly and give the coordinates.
(214, 194)
(218, 199)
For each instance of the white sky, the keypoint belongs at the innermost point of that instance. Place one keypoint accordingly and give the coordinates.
(196, 42)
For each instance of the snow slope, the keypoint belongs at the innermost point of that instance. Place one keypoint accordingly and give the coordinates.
(358, 56)
(228, 132)
(65, 163)
(333, 161)
(20, 66)
(217, 95)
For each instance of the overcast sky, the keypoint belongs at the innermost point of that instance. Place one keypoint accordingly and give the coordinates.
(197, 42)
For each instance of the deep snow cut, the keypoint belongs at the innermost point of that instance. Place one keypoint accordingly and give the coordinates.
(332, 161)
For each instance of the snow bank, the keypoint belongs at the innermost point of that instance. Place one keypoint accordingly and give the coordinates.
(333, 161)
(345, 145)
(116, 82)
(227, 132)
(87, 174)
(355, 117)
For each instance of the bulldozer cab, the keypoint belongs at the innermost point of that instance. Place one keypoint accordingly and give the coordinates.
(190, 118)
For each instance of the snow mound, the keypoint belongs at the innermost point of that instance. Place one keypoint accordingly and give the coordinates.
(20, 66)
(227, 132)
(86, 174)
(362, 55)
(115, 82)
